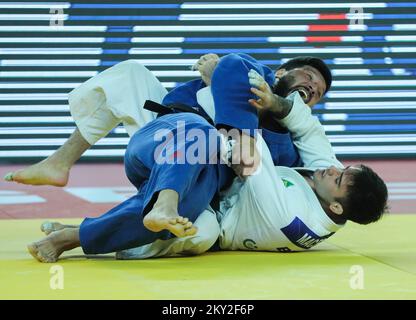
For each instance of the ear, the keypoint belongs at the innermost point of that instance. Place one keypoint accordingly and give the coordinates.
(336, 208)
(280, 73)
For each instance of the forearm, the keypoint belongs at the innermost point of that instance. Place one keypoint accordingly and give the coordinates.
(281, 108)
(291, 112)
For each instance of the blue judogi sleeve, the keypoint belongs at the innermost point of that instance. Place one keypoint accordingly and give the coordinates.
(231, 91)
(185, 94)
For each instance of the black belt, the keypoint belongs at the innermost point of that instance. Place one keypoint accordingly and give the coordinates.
(175, 108)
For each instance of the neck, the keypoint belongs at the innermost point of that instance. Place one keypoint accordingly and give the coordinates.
(325, 206)
(334, 217)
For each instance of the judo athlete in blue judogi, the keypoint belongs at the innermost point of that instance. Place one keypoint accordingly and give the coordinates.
(147, 168)
(230, 94)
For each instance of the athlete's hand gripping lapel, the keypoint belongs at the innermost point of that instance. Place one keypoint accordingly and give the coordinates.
(267, 101)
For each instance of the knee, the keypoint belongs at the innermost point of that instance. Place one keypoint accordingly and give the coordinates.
(199, 246)
(207, 235)
(201, 243)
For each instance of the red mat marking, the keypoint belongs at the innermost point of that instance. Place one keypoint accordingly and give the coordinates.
(60, 204)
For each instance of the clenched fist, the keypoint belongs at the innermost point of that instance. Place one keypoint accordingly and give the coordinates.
(206, 65)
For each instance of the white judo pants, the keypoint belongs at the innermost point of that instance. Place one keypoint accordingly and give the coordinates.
(115, 96)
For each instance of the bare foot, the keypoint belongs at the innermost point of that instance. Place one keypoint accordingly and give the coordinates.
(157, 220)
(45, 172)
(48, 227)
(43, 251)
(50, 248)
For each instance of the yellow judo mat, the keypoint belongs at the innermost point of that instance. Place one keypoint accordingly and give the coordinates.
(359, 262)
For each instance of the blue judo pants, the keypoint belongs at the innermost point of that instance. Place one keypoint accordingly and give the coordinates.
(122, 227)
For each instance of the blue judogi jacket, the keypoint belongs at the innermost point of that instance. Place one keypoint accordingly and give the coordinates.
(231, 91)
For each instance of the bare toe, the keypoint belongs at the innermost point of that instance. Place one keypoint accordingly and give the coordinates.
(47, 227)
(8, 176)
(188, 225)
(173, 221)
(191, 231)
(33, 250)
(182, 220)
(51, 247)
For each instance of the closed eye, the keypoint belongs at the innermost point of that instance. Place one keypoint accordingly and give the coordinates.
(340, 177)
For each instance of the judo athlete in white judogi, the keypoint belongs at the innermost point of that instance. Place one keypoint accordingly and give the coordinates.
(277, 209)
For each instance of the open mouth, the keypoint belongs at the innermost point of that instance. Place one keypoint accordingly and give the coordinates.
(304, 93)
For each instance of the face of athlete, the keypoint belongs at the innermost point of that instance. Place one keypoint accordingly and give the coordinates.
(331, 184)
(307, 80)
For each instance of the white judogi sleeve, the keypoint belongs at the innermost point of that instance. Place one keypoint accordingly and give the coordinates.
(309, 136)
(115, 95)
(276, 209)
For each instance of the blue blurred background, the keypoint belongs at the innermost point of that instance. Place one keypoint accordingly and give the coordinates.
(49, 48)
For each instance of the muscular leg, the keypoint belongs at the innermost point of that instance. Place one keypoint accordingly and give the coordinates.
(97, 106)
(54, 170)
(163, 216)
(169, 181)
(120, 225)
(208, 230)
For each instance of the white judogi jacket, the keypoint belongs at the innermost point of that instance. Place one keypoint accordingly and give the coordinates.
(276, 209)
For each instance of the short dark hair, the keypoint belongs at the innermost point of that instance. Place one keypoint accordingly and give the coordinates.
(317, 63)
(366, 199)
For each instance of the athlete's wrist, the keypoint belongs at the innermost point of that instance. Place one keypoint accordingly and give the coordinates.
(281, 107)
